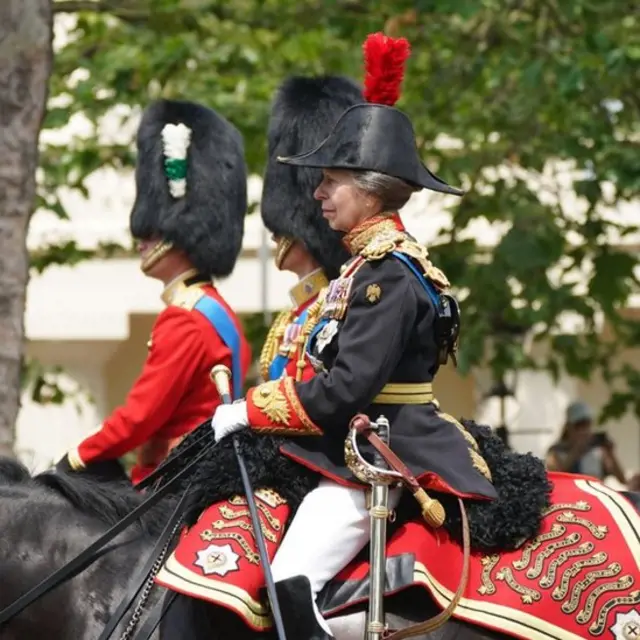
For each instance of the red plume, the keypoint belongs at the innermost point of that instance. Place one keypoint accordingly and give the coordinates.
(384, 59)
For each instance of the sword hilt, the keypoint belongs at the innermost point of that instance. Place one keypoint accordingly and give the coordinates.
(221, 378)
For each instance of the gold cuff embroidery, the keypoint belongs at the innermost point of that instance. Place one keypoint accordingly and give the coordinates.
(270, 400)
(292, 397)
(75, 461)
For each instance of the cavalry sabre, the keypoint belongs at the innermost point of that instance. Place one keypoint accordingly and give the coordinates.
(220, 376)
(387, 469)
(379, 477)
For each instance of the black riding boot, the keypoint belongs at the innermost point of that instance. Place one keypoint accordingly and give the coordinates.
(296, 605)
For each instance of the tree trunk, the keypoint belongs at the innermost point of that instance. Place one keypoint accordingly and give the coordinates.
(25, 66)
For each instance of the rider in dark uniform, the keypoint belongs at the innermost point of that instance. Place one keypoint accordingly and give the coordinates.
(386, 325)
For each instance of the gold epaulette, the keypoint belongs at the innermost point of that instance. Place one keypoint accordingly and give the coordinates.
(385, 243)
(187, 297)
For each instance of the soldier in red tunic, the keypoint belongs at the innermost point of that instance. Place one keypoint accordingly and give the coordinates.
(188, 219)
(303, 112)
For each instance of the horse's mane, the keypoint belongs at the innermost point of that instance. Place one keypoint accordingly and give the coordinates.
(107, 502)
(12, 471)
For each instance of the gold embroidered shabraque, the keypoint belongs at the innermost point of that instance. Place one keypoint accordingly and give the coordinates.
(540, 564)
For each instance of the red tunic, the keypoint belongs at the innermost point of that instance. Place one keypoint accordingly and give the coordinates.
(283, 354)
(174, 393)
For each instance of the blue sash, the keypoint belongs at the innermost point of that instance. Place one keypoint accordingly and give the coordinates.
(279, 363)
(222, 322)
(426, 283)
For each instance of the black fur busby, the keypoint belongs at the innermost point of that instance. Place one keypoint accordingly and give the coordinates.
(304, 111)
(206, 218)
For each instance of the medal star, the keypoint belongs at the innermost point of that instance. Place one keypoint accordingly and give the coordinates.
(217, 559)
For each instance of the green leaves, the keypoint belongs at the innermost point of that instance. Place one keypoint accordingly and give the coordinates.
(538, 102)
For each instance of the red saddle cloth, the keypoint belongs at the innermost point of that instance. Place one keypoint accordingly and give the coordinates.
(578, 579)
(217, 559)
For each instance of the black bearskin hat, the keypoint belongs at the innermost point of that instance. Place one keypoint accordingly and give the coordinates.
(191, 182)
(304, 111)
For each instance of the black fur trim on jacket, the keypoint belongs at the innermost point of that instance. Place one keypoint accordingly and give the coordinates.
(524, 492)
(217, 476)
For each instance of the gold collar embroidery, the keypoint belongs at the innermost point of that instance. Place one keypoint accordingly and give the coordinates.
(308, 287)
(176, 286)
(360, 236)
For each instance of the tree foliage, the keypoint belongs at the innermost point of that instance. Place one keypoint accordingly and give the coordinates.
(538, 100)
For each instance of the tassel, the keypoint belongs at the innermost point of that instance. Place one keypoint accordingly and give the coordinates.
(384, 61)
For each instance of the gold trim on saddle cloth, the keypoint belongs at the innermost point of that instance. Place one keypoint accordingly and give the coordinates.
(405, 393)
(174, 576)
(517, 621)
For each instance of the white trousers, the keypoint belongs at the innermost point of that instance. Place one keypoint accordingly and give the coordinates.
(330, 528)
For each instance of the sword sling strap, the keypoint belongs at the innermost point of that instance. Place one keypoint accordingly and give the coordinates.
(433, 513)
(438, 620)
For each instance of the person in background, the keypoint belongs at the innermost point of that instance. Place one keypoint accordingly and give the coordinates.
(583, 450)
(188, 220)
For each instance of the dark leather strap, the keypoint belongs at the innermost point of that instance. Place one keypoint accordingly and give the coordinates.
(171, 464)
(152, 622)
(362, 425)
(136, 585)
(90, 554)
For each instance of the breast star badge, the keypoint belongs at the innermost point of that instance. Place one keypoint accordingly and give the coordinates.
(217, 560)
(373, 293)
(627, 625)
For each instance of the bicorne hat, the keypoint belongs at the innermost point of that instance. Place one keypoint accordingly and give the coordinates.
(375, 136)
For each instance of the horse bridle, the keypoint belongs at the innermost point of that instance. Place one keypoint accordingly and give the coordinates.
(96, 550)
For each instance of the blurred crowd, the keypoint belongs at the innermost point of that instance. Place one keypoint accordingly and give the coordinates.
(582, 448)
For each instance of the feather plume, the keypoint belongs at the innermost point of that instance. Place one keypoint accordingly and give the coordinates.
(384, 60)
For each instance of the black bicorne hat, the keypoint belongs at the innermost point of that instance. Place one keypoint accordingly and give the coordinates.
(191, 182)
(375, 136)
(303, 113)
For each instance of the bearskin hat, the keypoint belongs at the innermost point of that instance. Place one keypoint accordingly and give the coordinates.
(191, 182)
(303, 113)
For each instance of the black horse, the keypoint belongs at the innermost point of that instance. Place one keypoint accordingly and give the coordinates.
(49, 519)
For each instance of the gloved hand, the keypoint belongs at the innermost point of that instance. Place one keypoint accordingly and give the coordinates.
(229, 418)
